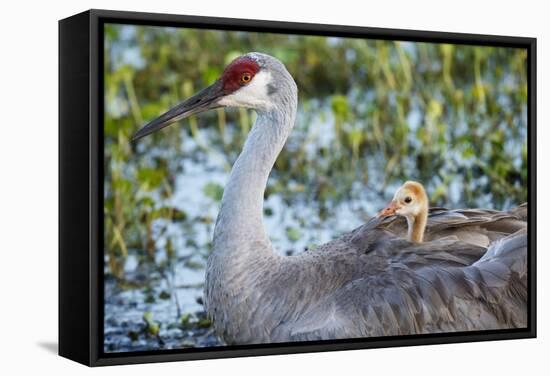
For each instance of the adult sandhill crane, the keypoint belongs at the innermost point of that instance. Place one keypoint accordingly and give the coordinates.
(369, 282)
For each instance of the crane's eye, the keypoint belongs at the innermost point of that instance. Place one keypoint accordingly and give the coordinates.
(408, 200)
(246, 77)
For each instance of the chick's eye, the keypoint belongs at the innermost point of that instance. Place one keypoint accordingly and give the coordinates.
(408, 200)
(246, 77)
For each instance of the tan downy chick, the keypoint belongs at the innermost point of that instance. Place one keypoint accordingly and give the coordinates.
(410, 201)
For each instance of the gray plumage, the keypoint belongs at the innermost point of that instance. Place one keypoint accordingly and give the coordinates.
(469, 275)
(371, 282)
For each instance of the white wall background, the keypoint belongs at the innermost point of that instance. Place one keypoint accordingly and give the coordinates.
(28, 185)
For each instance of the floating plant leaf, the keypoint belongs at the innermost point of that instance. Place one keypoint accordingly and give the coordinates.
(214, 191)
(164, 295)
(293, 234)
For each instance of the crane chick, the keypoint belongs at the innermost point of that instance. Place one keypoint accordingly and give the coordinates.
(410, 201)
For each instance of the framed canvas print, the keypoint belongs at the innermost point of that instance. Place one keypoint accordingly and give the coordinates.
(238, 187)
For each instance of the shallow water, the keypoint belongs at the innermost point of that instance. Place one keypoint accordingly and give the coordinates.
(126, 309)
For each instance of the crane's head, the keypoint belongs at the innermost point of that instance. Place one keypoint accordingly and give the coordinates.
(254, 80)
(410, 200)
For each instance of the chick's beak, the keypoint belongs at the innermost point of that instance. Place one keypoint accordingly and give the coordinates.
(204, 100)
(390, 209)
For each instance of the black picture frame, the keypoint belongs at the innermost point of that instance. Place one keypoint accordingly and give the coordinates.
(80, 188)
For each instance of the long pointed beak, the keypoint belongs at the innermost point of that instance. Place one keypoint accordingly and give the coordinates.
(204, 100)
(392, 207)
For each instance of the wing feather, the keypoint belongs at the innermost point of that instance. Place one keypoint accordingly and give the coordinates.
(406, 288)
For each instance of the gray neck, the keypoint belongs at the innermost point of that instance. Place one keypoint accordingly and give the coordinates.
(242, 253)
(240, 268)
(240, 221)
